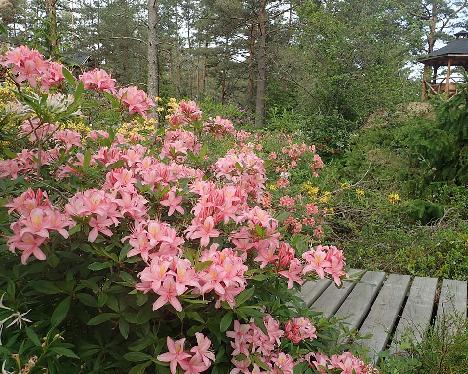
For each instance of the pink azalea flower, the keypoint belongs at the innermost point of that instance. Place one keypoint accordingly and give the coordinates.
(205, 232)
(168, 294)
(136, 100)
(194, 366)
(173, 203)
(99, 80)
(293, 274)
(202, 349)
(316, 261)
(176, 354)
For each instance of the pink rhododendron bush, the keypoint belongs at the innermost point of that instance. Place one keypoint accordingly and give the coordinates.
(131, 248)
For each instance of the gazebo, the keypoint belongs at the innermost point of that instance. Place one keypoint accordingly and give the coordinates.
(454, 54)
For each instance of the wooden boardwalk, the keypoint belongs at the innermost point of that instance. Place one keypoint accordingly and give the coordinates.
(387, 306)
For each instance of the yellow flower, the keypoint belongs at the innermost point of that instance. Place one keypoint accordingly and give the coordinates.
(360, 193)
(78, 126)
(272, 187)
(393, 198)
(325, 198)
(345, 185)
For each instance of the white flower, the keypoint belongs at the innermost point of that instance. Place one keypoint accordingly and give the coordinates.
(4, 371)
(16, 318)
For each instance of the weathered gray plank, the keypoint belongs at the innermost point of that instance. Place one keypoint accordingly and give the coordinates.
(452, 298)
(416, 316)
(359, 301)
(383, 313)
(331, 299)
(310, 291)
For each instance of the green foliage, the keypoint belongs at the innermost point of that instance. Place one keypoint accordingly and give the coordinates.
(443, 350)
(424, 233)
(441, 146)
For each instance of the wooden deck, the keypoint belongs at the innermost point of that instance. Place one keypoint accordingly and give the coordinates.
(387, 306)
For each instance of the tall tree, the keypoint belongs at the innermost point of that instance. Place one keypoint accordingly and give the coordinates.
(153, 48)
(52, 28)
(261, 64)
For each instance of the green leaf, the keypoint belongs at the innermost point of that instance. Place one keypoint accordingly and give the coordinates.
(140, 368)
(250, 311)
(226, 321)
(260, 324)
(195, 316)
(137, 356)
(101, 318)
(199, 266)
(127, 277)
(74, 230)
(96, 266)
(46, 287)
(259, 362)
(60, 312)
(142, 343)
(68, 76)
(33, 336)
(9, 153)
(87, 299)
(87, 159)
(244, 296)
(124, 328)
(64, 352)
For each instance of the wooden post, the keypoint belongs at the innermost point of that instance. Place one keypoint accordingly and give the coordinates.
(447, 79)
(424, 91)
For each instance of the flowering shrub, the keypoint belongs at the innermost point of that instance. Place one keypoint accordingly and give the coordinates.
(122, 251)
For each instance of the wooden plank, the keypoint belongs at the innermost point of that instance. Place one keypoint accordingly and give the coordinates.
(452, 298)
(310, 291)
(359, 301)
(331, 299)
(383, 314)
(416, 316)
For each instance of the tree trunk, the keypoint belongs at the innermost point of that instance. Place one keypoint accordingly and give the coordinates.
(153, 53)
(52, 36)
(251, 67)
(261, 63)
(431, 40)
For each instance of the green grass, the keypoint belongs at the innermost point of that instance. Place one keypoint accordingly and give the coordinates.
(443, 350)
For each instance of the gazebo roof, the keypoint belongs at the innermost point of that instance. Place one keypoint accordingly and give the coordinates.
(455, 50)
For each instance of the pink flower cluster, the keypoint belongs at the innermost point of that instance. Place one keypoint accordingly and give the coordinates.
(99, 80)
(345, 363)
(186, 112)
(224, 275)
(152, 239)
(97, 205)
(243, 168)
(249, 339)
(219, 126)
(171, 276)
(37, 220)
(178, 143)
(195, 361)
(325, 259)
(215, 205)
(29, 65)
(317, 165)
(136, 100)
(299, 329)
(295, 151)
